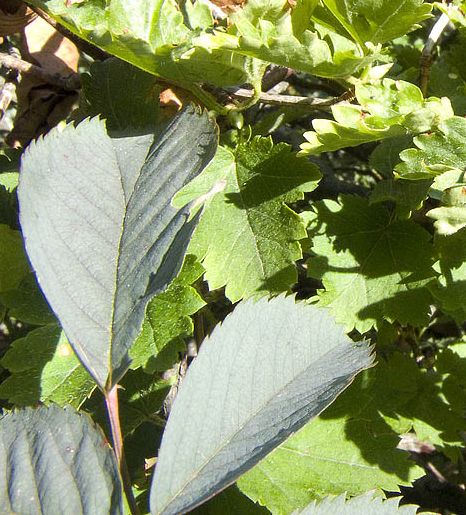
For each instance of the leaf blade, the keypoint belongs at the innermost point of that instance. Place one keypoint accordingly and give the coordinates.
(244, 428)
(50, 451)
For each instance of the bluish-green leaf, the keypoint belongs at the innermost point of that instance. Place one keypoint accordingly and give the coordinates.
(269, 368)
(100, 231)
(56, 461)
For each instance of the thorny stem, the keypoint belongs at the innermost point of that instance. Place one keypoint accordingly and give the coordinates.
(426, 56)
(111, 401)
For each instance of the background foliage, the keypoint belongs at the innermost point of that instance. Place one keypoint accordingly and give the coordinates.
(338, 177)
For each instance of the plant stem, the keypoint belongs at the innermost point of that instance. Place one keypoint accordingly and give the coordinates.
(111, 401)
(426, 56)
(70, 83)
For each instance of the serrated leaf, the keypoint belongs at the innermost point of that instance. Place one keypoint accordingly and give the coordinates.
(386, 109)
(248, 237)
(378, 22)
(269, 368)
(44, 369)
(168, 321)
(103, 237)
(368, 503)
(372, 266)
(153, 37)
(352, 446)
(106, 92)
(435, 152)
(267, 31)
(13, 263)
(56, 460)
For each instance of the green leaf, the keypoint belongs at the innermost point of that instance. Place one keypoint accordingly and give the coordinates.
(368, 503)
(55, 460)
(372, 266)
(386, 155)
(230, 502)
(13, 263)
(408, 195)
(436, 152)
(124, 95)
(167, 322)
(152, 37)
(248, 237)
(387, 109)
(27, 303)
(378, 22)
(352, 447)
(44, 369)
(100, 231)
(450, 290)
(269, 368)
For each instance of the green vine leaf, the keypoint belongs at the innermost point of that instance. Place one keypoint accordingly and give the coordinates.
(437, 152)
(387, 109)
(56, 460)
(100, 231)
(248, 238)
(378, 22)
(290, 359)
(372, 266)
(450, 290)
(44, 369)
(168, 321)
(333, 455)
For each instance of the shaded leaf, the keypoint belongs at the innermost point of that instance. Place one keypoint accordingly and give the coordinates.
(44, 369)
(248, 237)
(352, 446)
(13, 263)
(27, 303)
(56, 461)
(124, 95)
(103, 237)
(269, 368)
(373, 267)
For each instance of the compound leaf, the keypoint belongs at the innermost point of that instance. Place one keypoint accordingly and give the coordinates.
(372, 266)
(248, 237)
(100, 231)
(56, 460)
(269, 368)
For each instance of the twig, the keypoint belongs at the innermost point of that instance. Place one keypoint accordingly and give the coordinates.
(111, 401)
(426, 56)
(82, 44)
(288, 100)
(70, 83)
